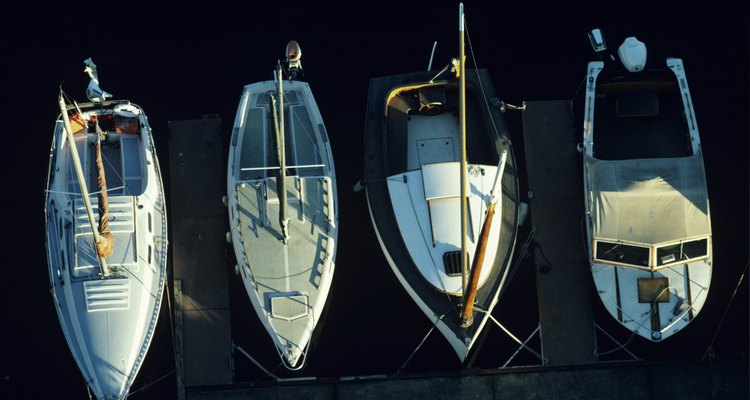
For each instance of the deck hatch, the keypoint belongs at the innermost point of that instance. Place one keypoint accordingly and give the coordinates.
(289, 306)
(652, 290)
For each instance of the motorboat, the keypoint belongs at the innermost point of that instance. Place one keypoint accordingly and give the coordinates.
(647, 213)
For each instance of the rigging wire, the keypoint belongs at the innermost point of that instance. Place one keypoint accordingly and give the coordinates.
(476, 70)
(146, 386)
(401, 368)
(709, 350)
(621, 346)
(502, 104)
(257, 364)
(517, 340)
(318, 151)
(171, 322)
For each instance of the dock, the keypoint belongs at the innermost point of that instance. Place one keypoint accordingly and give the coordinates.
(556, 208)
(197, 181)
(205, 360)
(725, 379)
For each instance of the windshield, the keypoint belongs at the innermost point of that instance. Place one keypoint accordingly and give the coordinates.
(638, 255)
(682, 252)
(621, 253)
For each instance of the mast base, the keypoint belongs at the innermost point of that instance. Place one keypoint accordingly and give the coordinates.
(466, 322)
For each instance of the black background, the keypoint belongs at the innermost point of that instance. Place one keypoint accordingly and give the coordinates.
(186, 60)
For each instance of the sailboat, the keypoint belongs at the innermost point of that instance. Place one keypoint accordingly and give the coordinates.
(106, 236)
(442, 190)
(647, 213)
(282, 201)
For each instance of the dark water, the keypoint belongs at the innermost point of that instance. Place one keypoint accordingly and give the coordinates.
(188, 61)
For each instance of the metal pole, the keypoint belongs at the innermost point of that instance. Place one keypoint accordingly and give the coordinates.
(81, 180)
(462, 130)
(283, 217)
(432, 54)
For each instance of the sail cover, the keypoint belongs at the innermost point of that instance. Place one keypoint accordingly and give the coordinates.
(649, 201)
(106, 239)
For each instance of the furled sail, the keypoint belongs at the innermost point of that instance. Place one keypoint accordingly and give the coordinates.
(107, 240)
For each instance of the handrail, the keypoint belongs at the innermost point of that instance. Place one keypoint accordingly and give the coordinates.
(288, 167)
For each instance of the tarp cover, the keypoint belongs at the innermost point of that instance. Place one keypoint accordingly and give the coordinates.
(649, 201)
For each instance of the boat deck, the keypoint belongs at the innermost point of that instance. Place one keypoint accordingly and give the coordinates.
(385, 157)
(292, 280)
(640, 124)
(301, 137)
(199, 224)
(556, 205)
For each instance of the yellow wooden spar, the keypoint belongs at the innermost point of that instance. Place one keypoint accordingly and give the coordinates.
(467, 316)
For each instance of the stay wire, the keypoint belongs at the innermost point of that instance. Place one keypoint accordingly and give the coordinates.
(401, 368)
(709, 350)
(152, 382)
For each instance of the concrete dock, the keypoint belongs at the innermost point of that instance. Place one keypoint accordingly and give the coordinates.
(556, 206)
(205, 361)
(682, 381)
(197, 182)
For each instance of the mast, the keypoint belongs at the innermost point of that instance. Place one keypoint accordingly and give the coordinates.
(462, 132)
(82, 182)
(283, 217)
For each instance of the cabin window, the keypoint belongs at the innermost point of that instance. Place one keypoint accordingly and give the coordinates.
(149, 222)
(682, 252)
(149, 254)
(621, 253)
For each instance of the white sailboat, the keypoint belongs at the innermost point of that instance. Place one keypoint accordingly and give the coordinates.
(647, 213)
(442, 190)
(107, 271)
(282, 202)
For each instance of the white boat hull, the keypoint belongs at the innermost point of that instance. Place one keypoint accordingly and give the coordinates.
(412, 168)
(287, 283)
(647, 203)
(108, 322)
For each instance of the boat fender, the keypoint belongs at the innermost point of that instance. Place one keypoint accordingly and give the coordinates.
(127, 110)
